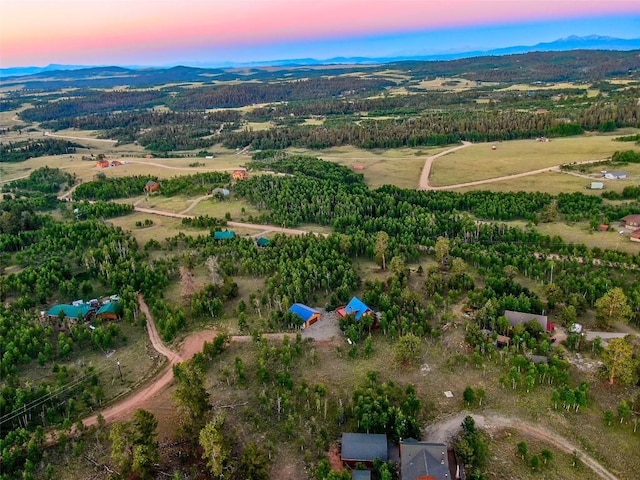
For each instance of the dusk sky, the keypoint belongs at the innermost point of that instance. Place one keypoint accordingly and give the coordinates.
(170, 32)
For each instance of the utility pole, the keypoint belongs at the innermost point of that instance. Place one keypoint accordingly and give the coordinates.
(120, 371)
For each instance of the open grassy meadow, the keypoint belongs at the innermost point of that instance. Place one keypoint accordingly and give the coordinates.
(400, 167)
(550, 182)
(480, 161)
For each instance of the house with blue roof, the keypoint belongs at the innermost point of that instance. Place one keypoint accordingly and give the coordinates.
(355, 307)
(306, 314)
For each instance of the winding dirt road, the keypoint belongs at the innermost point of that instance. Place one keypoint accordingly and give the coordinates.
(426, 170)
(192, 344)
(424, 183)
(444, 430)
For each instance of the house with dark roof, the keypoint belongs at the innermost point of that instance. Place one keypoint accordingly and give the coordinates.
(630, 221)
(109, 311)
(306, 314)
(423, 460)
(355, 307)
(361, 475)
(223, 235)
(516, 318)
(151, 186)
(363, 448)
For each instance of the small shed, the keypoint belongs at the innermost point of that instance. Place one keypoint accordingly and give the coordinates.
(603, 227)
(109, 311)
(307, 314)
(363, 448)
(239, 174)
(262, 242)
(596, 186)
(224, 235)
(635, 236)
(151, 186)
(102, 164)
(220, 192)
(361, 475)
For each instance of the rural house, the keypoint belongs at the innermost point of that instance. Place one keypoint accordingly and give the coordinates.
(615, 175)
(308, 315)
(635, 236)
(102, 164)
(630, 221)
(355, 307)
(151, 186)
(109, 311)
(516, 318)
(224, 235)
(420, 460)
(239, 174)
(63, 316)
(363, 448)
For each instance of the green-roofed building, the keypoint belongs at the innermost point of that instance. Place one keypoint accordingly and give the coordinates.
(263, 242)
(70, 312)
(224, 235)
(109, 311)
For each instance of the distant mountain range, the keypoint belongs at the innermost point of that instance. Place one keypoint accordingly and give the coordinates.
(590, 42)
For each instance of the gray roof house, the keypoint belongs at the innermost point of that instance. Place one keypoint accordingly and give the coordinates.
(420, 460)
(363, 448)
(520, 317)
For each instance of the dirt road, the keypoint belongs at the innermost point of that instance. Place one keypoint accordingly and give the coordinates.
(254, 226)
(444, 430)
(48, 134)
(193, 344)
(423, 184)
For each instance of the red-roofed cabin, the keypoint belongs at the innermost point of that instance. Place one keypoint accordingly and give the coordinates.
(239, 175)
(102, 164)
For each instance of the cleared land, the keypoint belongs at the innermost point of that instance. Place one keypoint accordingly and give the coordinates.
(400, 167)
(481, 162)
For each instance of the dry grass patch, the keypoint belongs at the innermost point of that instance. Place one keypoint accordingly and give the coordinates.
(239, 209)
(400, 167)
(480, 161)
(579, 233)
(162, 228)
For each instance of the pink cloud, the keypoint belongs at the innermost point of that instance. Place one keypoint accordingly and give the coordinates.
(68, 28)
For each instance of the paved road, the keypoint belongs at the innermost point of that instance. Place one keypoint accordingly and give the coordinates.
(443, 431)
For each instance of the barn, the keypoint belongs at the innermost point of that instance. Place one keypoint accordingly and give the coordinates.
(308, 315)
(151, 186)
